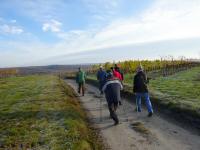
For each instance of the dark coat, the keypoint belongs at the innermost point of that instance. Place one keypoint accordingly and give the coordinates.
(112, 91)
(140, 83)
(101, 76)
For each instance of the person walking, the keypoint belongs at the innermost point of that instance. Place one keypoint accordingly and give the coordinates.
(140, 89)
(119, 74)
(80, 80)
(101, 77)
(112, 89)
(117, 68)
(116, 73)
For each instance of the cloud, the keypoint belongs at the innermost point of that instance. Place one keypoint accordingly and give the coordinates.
(23, 53)
(10, 29)
(52, 25)
(151, 50)
(163, 20)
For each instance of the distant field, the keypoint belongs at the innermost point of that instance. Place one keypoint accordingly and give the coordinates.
(40, 112)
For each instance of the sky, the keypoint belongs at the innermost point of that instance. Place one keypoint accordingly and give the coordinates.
(36, 32)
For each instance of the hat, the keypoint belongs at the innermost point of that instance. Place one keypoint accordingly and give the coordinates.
(101, 67)
(139, 68)
(117, 65)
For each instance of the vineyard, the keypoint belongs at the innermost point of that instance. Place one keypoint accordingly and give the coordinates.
(8, 72)
(153, 68)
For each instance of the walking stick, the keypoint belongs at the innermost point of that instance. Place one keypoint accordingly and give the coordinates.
(125, 114)
(136, 106)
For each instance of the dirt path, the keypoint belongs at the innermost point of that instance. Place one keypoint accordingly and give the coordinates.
(136, 131)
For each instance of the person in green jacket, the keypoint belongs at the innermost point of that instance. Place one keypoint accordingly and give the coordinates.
(80, 80)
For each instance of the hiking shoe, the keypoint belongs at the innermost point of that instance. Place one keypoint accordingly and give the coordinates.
(116, 123)
(150, 114)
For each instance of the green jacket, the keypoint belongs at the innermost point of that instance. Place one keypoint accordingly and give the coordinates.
(80, 77)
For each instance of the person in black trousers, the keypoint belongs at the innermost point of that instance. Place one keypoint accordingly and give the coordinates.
(112, 89)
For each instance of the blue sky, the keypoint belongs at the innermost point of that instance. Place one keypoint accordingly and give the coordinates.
(35, 32)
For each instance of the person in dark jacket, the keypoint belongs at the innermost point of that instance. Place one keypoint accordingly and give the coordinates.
(112, 89)
(101, 77)
(80, 80)
(140, 89)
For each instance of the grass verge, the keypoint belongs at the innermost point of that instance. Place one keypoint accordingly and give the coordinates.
(41, 112)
